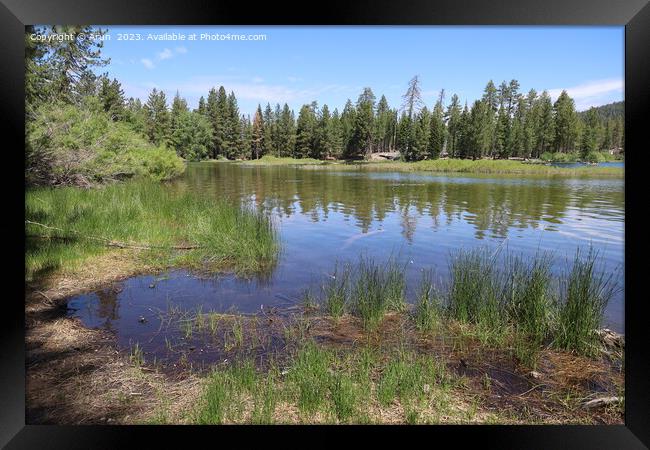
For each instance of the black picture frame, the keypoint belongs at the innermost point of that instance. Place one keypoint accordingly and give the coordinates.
(633, 14)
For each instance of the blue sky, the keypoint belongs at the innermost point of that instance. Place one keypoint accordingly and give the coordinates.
(297, 65)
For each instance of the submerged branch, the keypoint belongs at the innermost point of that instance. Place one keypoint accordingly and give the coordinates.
(110, 242)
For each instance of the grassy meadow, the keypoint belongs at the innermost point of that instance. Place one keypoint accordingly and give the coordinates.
(479, 166)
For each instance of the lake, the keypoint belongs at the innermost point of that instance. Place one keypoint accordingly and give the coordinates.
(325, 216)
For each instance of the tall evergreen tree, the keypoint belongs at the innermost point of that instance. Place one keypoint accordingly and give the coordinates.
(566, 123)
(258, 134)
(269, 126)
(286, 132)
(413, 98)
(348, 119)
(157, 126)
(232, 145)
(362, 137)
(202, 108)
(546, 129)
(453, 124)
(334, 132)
(111, 97)
(305, 132)
(591, 135)
(438, 130)
(383, 125)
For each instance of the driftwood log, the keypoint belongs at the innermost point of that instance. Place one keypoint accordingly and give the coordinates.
(111, 242)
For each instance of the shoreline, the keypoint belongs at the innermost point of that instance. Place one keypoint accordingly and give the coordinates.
(122, 389)
(482, 166)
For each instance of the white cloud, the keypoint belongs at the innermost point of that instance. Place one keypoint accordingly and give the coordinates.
(181, 50)
(257, 79)
(245, 88)
(165, 54)
(294, 79)
(592, 93)
(147, 63)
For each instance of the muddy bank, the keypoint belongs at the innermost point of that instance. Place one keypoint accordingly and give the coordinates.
(79, 375)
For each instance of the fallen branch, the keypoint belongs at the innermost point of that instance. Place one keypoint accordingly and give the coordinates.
(110, 242)
(604, 401)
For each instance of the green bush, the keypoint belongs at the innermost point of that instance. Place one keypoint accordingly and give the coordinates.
(81, 144)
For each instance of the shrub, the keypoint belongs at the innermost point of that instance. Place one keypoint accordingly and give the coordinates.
(82, 145)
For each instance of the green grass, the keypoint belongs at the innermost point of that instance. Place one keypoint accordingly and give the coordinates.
(427, 304)
(337, 291)
(327, 386)
(145, 214)
(376, 290)
(475, 288)
(501, 298)
(585, 294)
(530, 297)
(269, 160)
(481, 166)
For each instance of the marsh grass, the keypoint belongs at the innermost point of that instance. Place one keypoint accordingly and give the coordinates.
(475, 288)
(497, 297)
(310, 377)
(529, 297)
(336, 290)
(376, 289)
(481, 166)
(136, 355)
(427, 304)
(144, 214)
(585, 290)
(327, 386)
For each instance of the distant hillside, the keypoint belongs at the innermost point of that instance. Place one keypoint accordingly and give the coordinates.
(610, 111)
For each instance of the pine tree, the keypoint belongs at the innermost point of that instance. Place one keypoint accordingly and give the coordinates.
(463, 134)
(384, 124)
(566, 123)
(518, 137)
(269, 125)
(232, 146)
(413, 98)
(305, 132)
(531, 124)
(202, 108)
(420, 136)
(362, 137)
(348, 119)
(136, 115)
(546, 129)
(212, 113)
(246, 137)
(324, 135)
(192, 135)
(591, 135)
(111, 98)
(157, 125)
(453, 125)
(54, 68)
(438, 130)
(286, 132)
(404, 135)
(491, 98)
(334, 131)
(258, 134)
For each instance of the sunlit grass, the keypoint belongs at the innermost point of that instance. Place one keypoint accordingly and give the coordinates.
(143, 214)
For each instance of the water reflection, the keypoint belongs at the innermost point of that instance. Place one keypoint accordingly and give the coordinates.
(491, 205)
(325, 216)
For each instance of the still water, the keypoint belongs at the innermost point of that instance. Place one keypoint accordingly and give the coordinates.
(325, 216)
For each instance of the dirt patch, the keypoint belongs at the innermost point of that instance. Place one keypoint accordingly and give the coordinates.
(75, 376)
